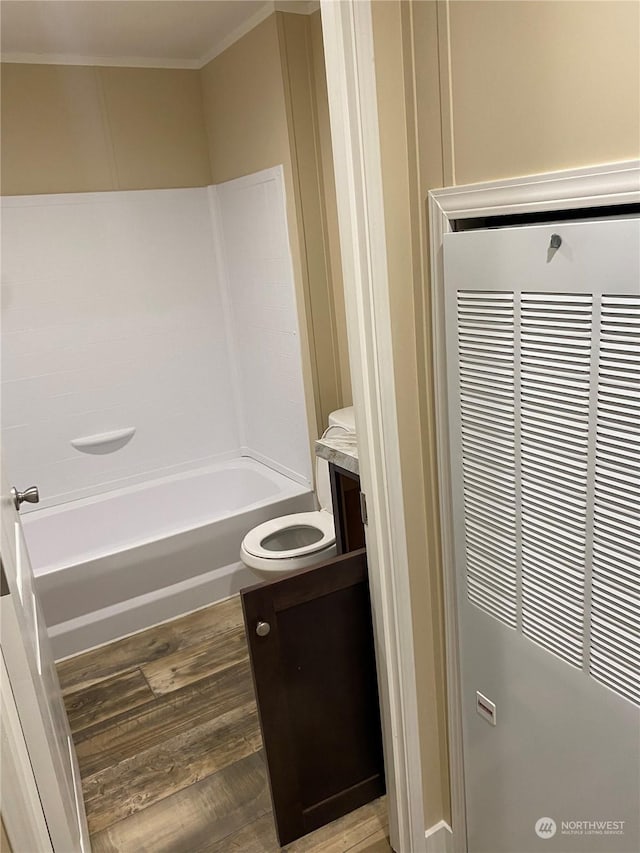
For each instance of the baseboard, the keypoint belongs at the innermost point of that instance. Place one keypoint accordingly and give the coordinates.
(439, 838)
(100, 627)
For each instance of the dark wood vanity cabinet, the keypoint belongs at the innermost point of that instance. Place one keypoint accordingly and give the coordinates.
(314, 673)
(347, 514)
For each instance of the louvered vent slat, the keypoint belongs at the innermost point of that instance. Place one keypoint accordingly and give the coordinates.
(551, 472)
(556, 332)
(615, 606)
(487, 397)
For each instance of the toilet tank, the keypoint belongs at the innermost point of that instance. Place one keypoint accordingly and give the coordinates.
(344, 418)
(340, 421)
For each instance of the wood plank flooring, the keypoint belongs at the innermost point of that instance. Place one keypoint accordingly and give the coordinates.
(168, 741)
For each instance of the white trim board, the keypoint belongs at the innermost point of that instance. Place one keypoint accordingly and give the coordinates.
(574, 189)
(439, 838)
(595, 186)
(348, 38)
(22, 58)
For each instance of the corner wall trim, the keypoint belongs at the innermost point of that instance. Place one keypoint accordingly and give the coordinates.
(575, 189)
(350, 65)
(439, 838)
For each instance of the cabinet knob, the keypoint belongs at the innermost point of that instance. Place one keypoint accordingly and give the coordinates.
(262, 629)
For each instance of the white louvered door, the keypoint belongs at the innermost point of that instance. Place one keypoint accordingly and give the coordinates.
(543, 359)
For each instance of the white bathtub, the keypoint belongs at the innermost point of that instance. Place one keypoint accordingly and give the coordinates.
(125, 560)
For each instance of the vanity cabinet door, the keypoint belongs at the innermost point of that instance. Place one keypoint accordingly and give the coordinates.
(312, 655)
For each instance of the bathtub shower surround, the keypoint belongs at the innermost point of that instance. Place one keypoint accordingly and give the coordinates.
(251, 225)
(121, 310)
(145, 335)
(112, 319)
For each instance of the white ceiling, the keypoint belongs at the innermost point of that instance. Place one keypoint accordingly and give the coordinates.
(164, 33)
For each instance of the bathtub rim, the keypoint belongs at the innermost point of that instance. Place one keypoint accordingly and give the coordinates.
(287, 488)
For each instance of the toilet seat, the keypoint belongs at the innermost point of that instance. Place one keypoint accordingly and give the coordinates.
(281, 546)
(321, 521)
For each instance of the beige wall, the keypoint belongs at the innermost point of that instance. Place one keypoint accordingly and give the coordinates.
(538, 86)
(404, 225)
(499, 89)
(79, 129)
(5, 844)
(244, 105)
(260, 97)
(310, 139)
(331, 235)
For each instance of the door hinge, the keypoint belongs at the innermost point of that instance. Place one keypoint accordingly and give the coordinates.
(363, 508)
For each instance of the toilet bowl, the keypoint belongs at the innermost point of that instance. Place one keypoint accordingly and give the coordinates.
(291, 542)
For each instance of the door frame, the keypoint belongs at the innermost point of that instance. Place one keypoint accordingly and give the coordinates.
(574, 189)
(349, 59)
(22, 813)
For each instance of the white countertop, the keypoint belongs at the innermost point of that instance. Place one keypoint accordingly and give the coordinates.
(342, 450)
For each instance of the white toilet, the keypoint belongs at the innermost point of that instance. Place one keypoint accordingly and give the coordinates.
(283, 545)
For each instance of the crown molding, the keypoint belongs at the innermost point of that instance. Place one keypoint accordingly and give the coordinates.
(296, 7)
(235, 35)
(98, 61)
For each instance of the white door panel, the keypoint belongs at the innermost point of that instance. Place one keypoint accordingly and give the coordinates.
(563, 747)
(34, 684)
(543, 351)
(21, 806)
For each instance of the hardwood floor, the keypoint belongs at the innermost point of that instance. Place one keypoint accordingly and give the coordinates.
(168, 740)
